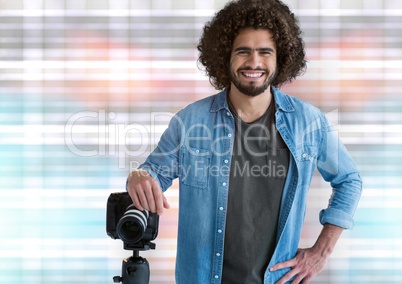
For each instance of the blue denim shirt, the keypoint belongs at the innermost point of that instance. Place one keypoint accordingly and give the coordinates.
(197, 149)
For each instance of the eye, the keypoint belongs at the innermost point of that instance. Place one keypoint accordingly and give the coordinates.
(265, 53)
(243, 52)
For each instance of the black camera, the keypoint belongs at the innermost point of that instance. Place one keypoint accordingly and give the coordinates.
(134, 227)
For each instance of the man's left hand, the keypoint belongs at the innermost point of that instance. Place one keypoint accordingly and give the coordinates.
(304, 266)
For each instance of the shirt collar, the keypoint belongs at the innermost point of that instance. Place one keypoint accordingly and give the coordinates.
(220, 102)
(282, 101)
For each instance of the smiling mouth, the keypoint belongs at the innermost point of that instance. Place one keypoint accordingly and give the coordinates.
(253, 74)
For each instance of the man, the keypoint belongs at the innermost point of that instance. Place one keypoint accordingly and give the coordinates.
(245, 159)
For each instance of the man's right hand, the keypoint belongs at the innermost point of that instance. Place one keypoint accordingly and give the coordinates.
(145, 192)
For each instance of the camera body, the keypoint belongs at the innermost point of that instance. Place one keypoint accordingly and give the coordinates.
(134, 227)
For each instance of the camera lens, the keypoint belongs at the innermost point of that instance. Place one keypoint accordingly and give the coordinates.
(132, 225)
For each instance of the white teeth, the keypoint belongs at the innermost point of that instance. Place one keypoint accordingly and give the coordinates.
(253, 75)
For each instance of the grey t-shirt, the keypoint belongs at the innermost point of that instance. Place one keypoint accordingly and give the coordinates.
(258, 171)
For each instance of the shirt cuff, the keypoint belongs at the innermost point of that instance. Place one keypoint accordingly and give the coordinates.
(336, 217)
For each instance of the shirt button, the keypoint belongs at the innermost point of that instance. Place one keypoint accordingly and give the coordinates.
(226, 161)
(218, 254)
(224, 184)
(304, 155)
(216, 276)
(219, 231)
(228, 113)
(221, 208)
(229, 135)
(197, 151)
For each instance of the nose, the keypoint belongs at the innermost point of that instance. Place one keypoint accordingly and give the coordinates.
(254, 60)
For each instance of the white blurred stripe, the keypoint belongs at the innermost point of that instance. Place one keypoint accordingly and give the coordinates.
(187, 12)
(179, 64)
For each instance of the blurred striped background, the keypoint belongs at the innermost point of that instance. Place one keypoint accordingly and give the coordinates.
(88, 86)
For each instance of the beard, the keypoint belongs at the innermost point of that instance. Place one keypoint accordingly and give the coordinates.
(251, 89)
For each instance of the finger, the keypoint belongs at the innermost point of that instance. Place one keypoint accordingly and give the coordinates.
(299, 279)
(149, 195)
(136, 201)
(287, 277)
(142, 199)
(286, 264)
(306, 280)
(158, 198)
(165, 202)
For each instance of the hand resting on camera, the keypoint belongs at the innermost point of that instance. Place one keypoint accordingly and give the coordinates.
(146, 193)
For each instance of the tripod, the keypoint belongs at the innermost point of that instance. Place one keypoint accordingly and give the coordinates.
(135, 269)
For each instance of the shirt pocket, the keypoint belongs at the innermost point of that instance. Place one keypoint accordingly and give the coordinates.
(196, 163)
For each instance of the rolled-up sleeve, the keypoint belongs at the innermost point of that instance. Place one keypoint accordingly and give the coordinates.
(337, 167)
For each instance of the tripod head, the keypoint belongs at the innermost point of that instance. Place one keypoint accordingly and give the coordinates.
(140, 245)
(135, 269)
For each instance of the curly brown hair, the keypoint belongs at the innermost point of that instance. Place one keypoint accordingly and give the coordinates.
(216, 42)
